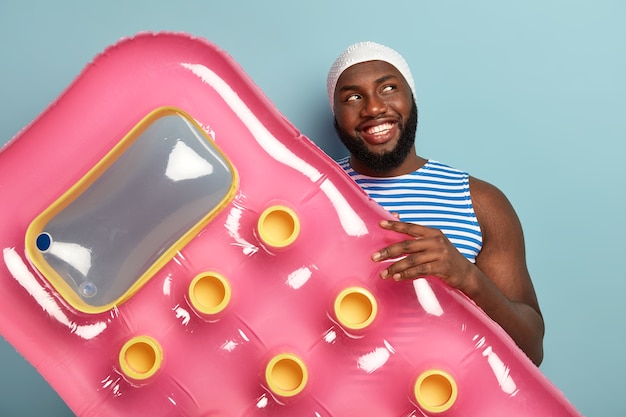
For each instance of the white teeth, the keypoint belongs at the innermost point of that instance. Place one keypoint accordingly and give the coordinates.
(380, 128)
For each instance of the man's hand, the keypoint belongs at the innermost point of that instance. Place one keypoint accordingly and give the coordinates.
(425, 251)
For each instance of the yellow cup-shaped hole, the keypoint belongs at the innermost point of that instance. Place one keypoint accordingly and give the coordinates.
(355, 308)
(286, 375)
(141, 357)
(435, 391)
(209, 293)
(278, 226)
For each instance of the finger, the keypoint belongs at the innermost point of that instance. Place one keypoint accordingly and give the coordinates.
(398, 249)
(411, 229)
(411, 266)
(401, 272)
(413, 262)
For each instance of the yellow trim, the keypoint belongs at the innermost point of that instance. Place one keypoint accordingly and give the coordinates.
(36, 227)
(286, 375)
(209, 293)
(278, 226)
(350, 305)
(435, 391)
(141, 357)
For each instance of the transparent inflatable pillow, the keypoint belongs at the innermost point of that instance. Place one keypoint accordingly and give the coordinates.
(111, 231)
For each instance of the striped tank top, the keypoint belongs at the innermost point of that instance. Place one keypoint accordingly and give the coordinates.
(436, 195)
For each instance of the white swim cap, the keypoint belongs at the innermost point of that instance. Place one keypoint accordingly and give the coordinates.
(362, 52)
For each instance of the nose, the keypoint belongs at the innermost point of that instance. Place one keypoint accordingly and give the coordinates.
(374, 105)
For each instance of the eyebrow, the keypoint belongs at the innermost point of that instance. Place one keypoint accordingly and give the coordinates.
(380, 80)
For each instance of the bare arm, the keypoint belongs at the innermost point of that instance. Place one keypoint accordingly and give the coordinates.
(499, 282)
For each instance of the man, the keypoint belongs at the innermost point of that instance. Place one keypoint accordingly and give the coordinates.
(451, 225)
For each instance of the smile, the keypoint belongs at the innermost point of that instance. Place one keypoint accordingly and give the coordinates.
(379, 129)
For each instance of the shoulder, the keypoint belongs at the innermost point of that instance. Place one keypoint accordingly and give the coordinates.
(494, 211)
(486, 195)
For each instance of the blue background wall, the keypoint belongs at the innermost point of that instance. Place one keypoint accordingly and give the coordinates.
(530, 96)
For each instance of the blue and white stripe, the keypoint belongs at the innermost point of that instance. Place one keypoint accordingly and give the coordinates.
(436, 195)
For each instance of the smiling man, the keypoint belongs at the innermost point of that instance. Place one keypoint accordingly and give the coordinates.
(451, 225)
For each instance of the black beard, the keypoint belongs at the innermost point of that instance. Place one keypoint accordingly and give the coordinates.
(387, 161)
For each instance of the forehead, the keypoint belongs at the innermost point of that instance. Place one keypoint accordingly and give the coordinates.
(369, 72)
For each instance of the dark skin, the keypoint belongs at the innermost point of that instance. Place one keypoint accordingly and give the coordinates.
(372, 103)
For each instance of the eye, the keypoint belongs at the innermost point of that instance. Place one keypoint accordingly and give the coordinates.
(388, 88)
(352, 98)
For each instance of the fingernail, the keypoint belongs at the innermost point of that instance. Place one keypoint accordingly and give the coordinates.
(376, 256)
(384, 273)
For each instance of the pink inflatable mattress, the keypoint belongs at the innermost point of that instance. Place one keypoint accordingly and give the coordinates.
(173, 246)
